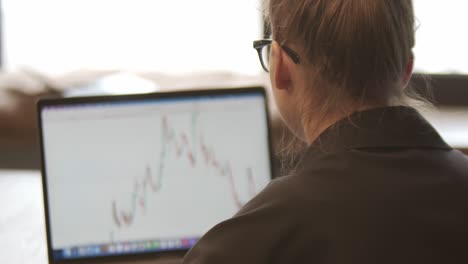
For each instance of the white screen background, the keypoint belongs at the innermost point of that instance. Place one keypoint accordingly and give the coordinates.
(96, 155)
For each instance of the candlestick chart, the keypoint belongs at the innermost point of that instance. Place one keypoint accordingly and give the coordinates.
(150, 170)
(190, 148)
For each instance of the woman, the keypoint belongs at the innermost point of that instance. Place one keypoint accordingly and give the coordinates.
(377, 183)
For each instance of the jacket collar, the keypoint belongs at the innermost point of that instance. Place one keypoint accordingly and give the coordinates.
(384, 127)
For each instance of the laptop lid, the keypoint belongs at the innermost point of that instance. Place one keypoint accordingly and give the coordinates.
(143, 175)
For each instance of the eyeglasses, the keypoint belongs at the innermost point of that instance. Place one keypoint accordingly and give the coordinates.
(263, 48)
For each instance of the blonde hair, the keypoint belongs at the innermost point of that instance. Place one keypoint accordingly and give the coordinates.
(358, 50)
(359, 45)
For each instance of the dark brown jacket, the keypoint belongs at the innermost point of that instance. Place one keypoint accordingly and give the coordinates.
(378, 187)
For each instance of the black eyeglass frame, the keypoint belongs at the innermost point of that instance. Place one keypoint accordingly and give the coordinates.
(260, 44)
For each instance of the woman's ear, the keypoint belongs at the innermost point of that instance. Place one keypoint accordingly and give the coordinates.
(408, 71)
(280, 68)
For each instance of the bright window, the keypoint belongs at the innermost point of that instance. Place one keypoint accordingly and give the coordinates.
(57, 36)
(442, 38)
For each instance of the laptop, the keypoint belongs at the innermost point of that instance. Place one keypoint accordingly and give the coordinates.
(140, 178)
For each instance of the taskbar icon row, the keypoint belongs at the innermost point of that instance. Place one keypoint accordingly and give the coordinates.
(126, 248)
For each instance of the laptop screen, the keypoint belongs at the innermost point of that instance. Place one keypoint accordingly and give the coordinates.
(148, 175)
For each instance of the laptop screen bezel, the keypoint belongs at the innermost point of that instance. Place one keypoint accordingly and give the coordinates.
(183, 94)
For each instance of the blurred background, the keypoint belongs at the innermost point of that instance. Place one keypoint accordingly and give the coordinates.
(56, 36)
(75, 47)
(57, 48)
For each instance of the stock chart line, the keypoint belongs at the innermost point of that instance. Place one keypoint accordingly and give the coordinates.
(178, 144)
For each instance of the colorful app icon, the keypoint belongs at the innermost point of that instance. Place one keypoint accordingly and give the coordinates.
(171, 244)
(164, 244)
(178, 243)
(127, 247)
(103, 248)
(82, 251)
(112, 249)
(141, 246)
(156, 244)
(192, 242)
(98, 250)
(119, 248)
(135, 246)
